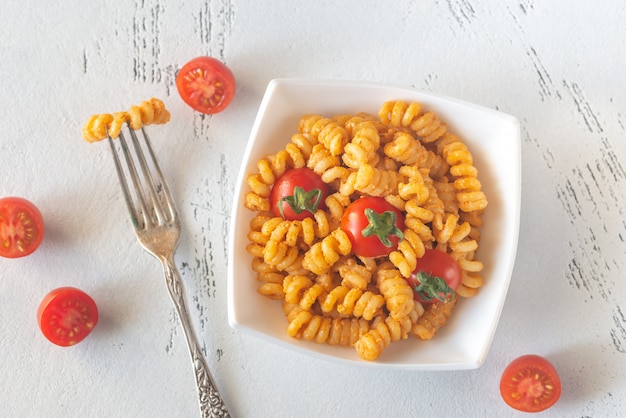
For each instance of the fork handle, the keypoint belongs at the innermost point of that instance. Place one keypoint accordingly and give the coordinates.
(211, 403)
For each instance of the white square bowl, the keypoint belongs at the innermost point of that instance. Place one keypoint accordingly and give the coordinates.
(494, 140)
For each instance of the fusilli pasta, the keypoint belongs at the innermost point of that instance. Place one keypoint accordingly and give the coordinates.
(149, 112)
(329, 295)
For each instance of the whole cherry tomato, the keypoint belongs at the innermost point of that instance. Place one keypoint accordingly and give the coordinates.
(373, 225)
(435, 278)
(298, 194)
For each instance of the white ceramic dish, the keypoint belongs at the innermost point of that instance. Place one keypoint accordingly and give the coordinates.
(494, 140)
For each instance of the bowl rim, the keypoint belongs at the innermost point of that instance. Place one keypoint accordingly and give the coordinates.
(514, 221)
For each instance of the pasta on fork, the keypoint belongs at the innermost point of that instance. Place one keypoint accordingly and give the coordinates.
(149, 112)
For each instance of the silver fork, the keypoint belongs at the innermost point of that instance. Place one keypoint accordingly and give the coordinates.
(157, 226)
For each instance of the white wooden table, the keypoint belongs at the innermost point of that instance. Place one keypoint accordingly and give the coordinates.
(557, 66)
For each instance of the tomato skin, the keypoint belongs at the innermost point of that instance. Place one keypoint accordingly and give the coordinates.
(355, 220)
(206, 84)
(21, 227)
(284, 189)
(530, 383)
(67, 315)
(436, 263)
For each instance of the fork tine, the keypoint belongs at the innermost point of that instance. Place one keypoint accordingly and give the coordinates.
(122, 178)
(156, 208)
(164, 187)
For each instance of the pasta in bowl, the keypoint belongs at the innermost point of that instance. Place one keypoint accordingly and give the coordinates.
(451, 172)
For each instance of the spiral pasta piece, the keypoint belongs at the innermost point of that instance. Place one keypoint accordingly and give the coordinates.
(470, 283)
(115, 127)
(334, 138)
(255, 236)
(270, 280)
(336, 204)
(257, 199)
(418, 234)
(328, 132)
(96, 128)
(463, 251)
(415, 187)
(385, 330)
(396, 291)
(285, 159)
(305, 143)
(409, 250)
(303, 324)
(429, 127)
(296, 233)
(446, 196)
(301, 290)
(355, 276)
(375, 182)
(149, 112)
(280, 255)
(434, 204)
(435, 316)
(469, 189)
(312, 124)
(322, 255)
(352, 301)
(399, 113)
(444, 226)
(363, 147)
(405, 148)
(278, 229)
(271, 285)
(326, 165)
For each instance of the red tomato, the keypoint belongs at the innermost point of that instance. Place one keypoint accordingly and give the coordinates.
(373, 225)
(21, 227)
(206, 85)
(298, 194)
(67, 315)
(435, 278)
(530, 384)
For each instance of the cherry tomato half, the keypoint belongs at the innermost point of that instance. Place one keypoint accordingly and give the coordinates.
(67, 315)
(435, 278)
(206, 85)
(298, 194)
(21, 227)
(373, 225)
(530, 384)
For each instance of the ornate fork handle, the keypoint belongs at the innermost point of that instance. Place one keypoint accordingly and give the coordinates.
(211, 403)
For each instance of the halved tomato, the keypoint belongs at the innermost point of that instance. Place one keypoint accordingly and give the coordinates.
(206, 84)
(530, 384)
(67, 315)
(21, 227)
